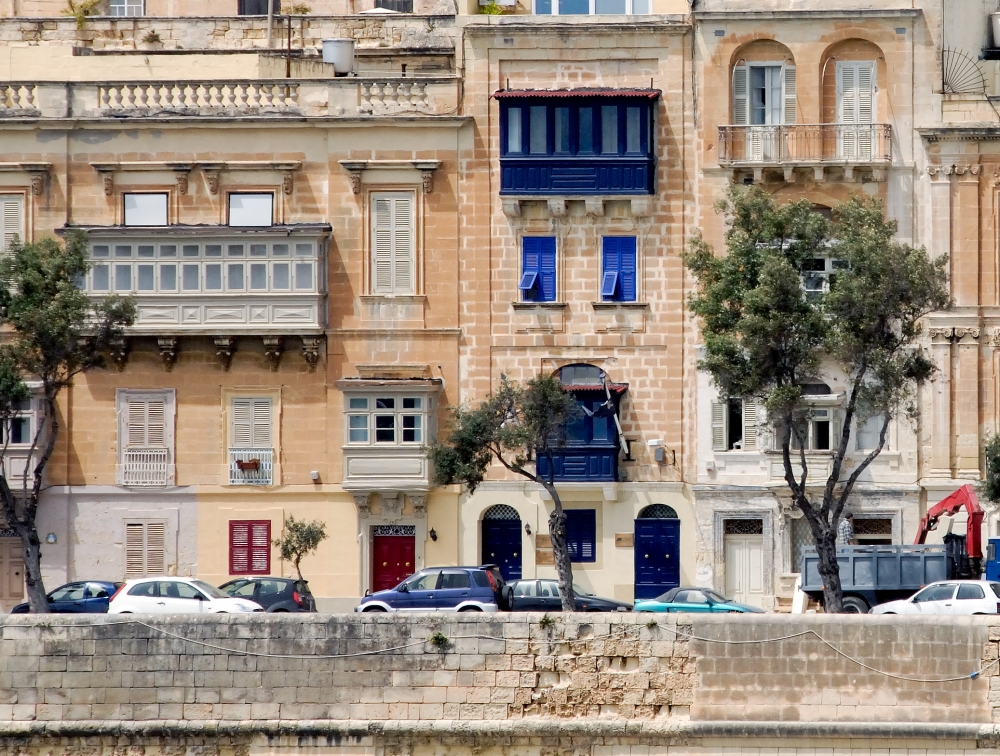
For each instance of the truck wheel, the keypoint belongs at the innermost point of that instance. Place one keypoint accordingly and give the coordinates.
(855, 605)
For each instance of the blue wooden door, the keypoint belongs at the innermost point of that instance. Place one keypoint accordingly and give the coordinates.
(657, 556)
(502, 546)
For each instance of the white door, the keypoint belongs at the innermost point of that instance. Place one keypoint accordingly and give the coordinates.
(11, 573)
(745, 568)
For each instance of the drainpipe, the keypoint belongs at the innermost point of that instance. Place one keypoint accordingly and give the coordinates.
(270, 21)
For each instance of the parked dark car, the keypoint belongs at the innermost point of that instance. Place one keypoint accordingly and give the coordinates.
(275, 594)
(84, 596)
(443, 589)
(543, 596)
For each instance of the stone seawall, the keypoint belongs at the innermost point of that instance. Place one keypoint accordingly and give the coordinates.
(423, 681)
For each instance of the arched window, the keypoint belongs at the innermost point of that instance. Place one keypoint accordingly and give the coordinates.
(657, 512)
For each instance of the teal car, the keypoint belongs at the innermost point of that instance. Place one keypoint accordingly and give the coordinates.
(693, 600)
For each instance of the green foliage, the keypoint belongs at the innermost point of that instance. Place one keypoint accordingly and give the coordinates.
(299, 539)
(989, 488)
(440, 641)
(152, 37)
(510, 426)
(300, 10)
(652, 624)
(546, 622)
(492, 8)
(81, 9)
(765, 336)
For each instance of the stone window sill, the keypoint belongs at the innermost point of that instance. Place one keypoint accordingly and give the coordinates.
(620, 305)
(393, 298)
(539, 305)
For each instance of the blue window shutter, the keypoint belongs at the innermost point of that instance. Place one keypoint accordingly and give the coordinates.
(627, 271)
(530, 268)
(609, 285)
(619, 258)
(581, 535)
(546, 268)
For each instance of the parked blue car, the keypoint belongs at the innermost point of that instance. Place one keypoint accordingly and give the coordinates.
(444, 589)
(83, 597)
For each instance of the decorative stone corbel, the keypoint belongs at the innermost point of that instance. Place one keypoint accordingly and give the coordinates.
(287, 182)
(354, 170)
(642, 207)
(363, 502)
(182, 183)
(995, 341)
(427, 168)
(789, 174)
(108, 179)
(273, 347)
(818, 172)
(419, 504)
(310, 351)
(212, 173)
(391, 503)
(594, 206)
(168, 352)
(224, 348)
(511, 208)
(38, 179)
(848, 173)
(939, 171)
(119, 352)
(557, 208)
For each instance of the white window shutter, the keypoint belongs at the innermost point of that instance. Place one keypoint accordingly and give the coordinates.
(741, 115)
(261, 424)
(788, 80)
(718, 426)
(135, 424)
(135, 549)
(11, 207)
(156, 422)
(402, 243)
(749, 425)
(847, 92)
(866, 93)
(382, 245)
(242, 423)
(156, 548)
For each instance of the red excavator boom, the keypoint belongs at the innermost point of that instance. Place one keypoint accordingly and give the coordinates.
(963, 497)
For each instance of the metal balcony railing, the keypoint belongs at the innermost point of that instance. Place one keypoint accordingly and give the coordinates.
(145, 467)
(251, 467)
(806, 144)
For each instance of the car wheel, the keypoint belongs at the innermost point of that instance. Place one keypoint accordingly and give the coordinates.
(280, 611)
(373, 609)
(470, 609)
(855, 605)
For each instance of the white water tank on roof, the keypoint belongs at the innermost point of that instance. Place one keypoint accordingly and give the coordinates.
(340, 52)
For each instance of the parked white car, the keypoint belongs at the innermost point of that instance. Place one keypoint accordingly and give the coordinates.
(176, 596)
(948, 597)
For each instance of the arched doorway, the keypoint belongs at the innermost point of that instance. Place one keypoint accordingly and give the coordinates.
(502, 540)
(657, 551)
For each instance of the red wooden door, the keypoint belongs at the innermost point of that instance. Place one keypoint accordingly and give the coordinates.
(393, 558)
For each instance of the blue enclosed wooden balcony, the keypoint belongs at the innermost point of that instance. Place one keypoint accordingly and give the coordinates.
(582, 464)
(578, 141)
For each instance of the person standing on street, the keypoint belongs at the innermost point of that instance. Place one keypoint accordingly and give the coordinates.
(845, 530)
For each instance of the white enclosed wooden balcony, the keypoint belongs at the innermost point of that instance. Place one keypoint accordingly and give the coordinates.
(214, 280)
(144, 467)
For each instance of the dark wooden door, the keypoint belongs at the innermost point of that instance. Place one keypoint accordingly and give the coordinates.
(657, 556)
(502, 546)
(392, 560)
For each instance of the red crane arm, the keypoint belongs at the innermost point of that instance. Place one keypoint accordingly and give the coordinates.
(964, 497)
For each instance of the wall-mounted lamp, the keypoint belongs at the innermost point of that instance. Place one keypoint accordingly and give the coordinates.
(50, 538)
(433, 534)
(527, 528)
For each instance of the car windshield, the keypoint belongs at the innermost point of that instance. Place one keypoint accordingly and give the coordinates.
(716, 597)
(578, 591)
(211, 590)
(232, 586)
(938, 592)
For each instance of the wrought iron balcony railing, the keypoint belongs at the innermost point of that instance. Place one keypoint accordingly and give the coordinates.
(806, 144)
(144, 467)
(251, 467)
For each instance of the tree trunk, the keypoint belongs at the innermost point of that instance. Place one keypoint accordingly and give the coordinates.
(829, 570)
(37, 601)
(557, 532)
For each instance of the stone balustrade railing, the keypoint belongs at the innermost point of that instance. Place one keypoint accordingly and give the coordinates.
(348, 97)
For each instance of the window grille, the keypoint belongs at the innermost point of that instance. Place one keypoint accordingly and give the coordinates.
(501, 512)
(744, 527)
(658, 512)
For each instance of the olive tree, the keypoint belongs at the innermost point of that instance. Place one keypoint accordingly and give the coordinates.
(766, 336)
(53, 333)
(298, 540)
(515, 425)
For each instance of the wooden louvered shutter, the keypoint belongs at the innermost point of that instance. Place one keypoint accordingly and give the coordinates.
(145, 422)
(741, 116)
(156, 548)
(749, 425)
(402, 245)
(547, 269)
(628, 269)
(239, 547)
(135, 549)
(866, 93)
(788, 115)
(392, 244)
(11, 209)
(242, 423)
(382, 245)
(260, 547)
(718, 426)
(847, 91)
(261, 424)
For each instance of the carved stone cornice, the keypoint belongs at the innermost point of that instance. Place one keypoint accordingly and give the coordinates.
(968, 173)
(941, 336)
(966, 334)
(939, 172)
